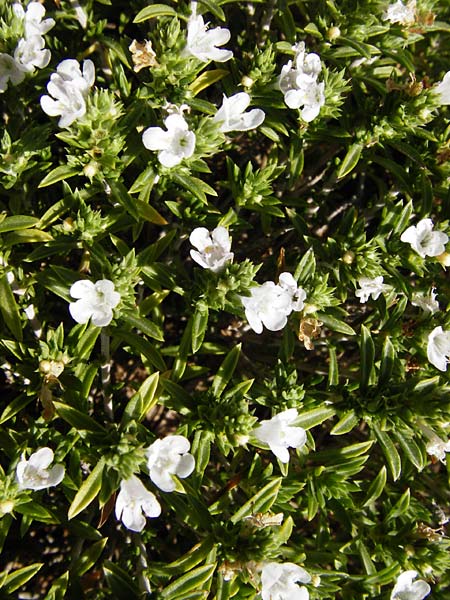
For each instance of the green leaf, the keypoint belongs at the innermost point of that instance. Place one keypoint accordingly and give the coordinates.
(388, 356)
(367, 351)
(335, 324)
(77, 419)
(120, 193)
(346, 423)
(27, 236)
(207, 78)
(149, 213)
(403, 219)
(142, 346)
(313, 417)
(260, 502)
(186, 562)
(119, 582)
(58, 174)
(145, 325)
(153, 11)
(199, 325)
(17, 222)
(13, 581)
(88, 490)
(59, 587)
(411, 449)
(193, 581)
(376, 487)
(196, 186)
(350, 161)
(400, 507)
(15, 407)
(333, 368)
(88, 559)
(225, 371)
(142, 401)
(214, 8)
(306, 267)
(38, 512)
(390, 452)
(9, 309)
(201, 450)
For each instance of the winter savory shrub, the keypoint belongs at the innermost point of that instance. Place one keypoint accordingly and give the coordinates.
(224, 299)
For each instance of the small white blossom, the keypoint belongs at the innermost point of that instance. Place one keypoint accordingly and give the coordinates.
(424, 240)
(34, 474)
(96, 301)
(231, 116)
(405, 589)
(279, 435)
(33, 23)
(269, 305)
(31, 53)
(297, 294)
(68, 89)
(299, 83)
(202, 42)
(173, 145)
(133, 502)
(10, 71)
(79, 13)
(427, 303)
(436, 446)
(404, 14)
(279, 581)
(370, 287)
(438, 348)
(443, 89)
(213, 249)
(168, 457)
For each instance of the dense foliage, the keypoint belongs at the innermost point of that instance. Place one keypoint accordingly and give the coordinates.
(175, 415)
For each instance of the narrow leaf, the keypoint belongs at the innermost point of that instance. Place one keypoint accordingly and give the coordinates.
(88, 490)
(153, 11)
(350, 161)
(9, 309)
(225, 371)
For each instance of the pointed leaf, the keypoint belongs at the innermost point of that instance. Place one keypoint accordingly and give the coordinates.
(225, 371)
(88, 490)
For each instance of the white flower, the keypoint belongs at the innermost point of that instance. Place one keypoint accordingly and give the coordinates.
(96, 301)
(279, 582)
(279, 435)
(172, 145)
(299, 84)
(169, 457)
(202, 42)
(231, 116)
(405, 589)
(79, 13)
(438, 348)
(401, 13)
(68, 89)
(427, 303)
(34, 25)
(133, 502)
(424, 240)
(34, 474)
(213, 250)
(31, 53)
(443, 89)
(297, 294)
(436, 446)
(10, 71)
(370, 287)
(268, 305)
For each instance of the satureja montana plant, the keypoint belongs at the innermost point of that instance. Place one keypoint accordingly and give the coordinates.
(225, 335)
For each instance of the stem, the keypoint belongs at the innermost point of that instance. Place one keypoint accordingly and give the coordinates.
(106, 374)
(144, 583)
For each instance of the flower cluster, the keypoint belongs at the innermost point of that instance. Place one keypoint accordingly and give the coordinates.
(166, 458)
(68, 89)
(270, 304)
(30, 53)
(299, 83)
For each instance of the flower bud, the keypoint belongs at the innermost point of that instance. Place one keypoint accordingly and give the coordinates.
(333, 33)
(349, 257)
